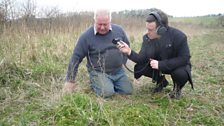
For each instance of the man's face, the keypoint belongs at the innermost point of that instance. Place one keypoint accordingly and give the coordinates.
(151, 27)
(102, 24)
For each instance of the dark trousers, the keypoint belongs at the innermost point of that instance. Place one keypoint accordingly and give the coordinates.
(180, 76)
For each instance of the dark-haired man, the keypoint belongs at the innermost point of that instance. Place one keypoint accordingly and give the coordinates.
(165, 50)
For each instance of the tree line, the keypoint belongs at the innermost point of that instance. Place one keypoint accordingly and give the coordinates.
(28, 16)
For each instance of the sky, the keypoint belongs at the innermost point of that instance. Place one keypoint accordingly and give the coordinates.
(177, 8)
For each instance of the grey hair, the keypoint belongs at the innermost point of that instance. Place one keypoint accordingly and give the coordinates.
(102, 12)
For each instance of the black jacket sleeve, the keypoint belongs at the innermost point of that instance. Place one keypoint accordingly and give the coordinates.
(141, 57)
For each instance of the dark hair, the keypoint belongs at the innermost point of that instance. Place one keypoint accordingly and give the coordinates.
(163, 16)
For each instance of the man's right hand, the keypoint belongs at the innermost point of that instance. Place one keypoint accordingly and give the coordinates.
(123, 47)
(69, 87)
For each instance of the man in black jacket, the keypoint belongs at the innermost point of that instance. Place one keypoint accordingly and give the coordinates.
(164, 51)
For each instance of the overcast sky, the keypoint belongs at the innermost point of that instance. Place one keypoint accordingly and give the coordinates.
(171, 7)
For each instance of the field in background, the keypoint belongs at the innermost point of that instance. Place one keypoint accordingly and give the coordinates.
(33, 66)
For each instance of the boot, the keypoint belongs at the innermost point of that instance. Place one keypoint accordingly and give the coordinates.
(176, 93)
(160, 84)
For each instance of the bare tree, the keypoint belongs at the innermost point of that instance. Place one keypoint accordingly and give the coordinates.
(50, 12)
(29, 9)
(6, 13)
(6, 8)
(49, 16)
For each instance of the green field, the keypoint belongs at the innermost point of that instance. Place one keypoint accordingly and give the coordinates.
(32, 73)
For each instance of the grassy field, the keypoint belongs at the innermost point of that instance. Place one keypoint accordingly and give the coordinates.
(32, 73)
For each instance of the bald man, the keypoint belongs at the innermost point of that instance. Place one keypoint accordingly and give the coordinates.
(104, 60)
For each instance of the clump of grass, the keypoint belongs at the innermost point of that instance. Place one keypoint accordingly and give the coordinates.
(78, 109)
(12, 75)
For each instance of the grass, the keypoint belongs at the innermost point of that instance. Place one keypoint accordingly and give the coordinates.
(206, 21)
(32, 72)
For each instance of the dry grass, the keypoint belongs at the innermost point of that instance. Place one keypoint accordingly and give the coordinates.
(33, 67)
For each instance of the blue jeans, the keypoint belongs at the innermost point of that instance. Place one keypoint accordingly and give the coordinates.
(105, 85)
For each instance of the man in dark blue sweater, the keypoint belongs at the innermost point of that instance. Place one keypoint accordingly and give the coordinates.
(164, 51)
(104, 60)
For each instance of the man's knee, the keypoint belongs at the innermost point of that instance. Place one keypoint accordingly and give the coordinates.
(107, 93)
(180, 75)
(104, 92)
(128, 90)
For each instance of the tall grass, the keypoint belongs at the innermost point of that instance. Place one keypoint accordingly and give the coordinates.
(33, 67)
